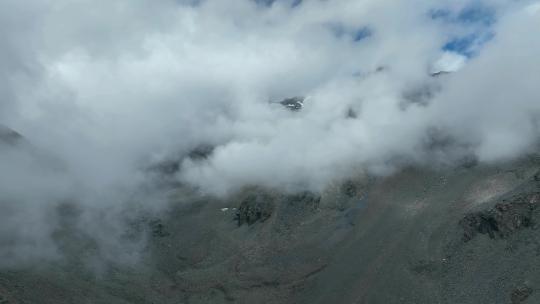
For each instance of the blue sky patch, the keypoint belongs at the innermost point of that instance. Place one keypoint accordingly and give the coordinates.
(477, 14)
(461, 45)
(478, 17)
(474, 14)
(468, 45)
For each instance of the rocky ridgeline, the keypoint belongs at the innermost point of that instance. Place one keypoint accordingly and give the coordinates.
(503, 219)
(259, 206)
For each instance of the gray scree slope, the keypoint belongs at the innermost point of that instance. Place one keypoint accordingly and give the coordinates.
(460, 235)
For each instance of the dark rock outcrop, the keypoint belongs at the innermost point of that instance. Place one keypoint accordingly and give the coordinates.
(158, 229)
(349, 189)
(255, 208)
(167, 167)
(439, 73)
(201, 152)
(520, 294)
(420, 96)
(8, 136)
(297, 205)
(537, 176)
(172, 166)
(502, 220)
(351, 114)
(295, 208)
(293, 103)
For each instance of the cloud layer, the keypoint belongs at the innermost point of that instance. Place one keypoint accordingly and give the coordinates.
(104, 89)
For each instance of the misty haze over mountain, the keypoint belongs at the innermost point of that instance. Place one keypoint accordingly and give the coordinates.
(107, 108)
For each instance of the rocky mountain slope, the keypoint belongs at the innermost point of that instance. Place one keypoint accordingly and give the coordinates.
(448, 235)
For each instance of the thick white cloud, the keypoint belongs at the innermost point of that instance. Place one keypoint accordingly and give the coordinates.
(106, 87)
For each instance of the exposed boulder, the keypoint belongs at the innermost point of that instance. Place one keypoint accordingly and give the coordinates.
(502, 220)
(520, 294)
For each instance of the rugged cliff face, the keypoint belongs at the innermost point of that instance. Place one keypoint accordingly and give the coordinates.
(454, 235)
